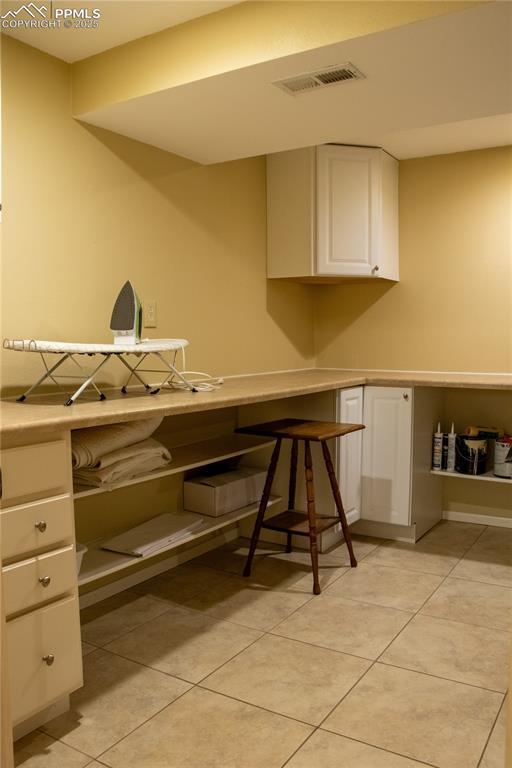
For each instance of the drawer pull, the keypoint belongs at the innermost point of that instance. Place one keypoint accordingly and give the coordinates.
(49, 659)
(45, 581)
(41, 526)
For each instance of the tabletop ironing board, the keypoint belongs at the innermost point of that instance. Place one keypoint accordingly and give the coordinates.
(68, 351)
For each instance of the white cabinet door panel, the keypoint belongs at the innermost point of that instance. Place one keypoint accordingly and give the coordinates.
(347, 210)
(350, 452)
(387, 446)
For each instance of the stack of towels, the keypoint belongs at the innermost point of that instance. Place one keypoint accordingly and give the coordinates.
(104, 456)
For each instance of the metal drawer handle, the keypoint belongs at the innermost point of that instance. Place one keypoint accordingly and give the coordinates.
(49, 659)
(41, 526)
(45, 581)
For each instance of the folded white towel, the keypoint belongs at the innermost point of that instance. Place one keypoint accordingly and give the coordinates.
(124, 464)
(91, 444)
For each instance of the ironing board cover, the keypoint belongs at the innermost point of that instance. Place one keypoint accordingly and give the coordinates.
(76, 348)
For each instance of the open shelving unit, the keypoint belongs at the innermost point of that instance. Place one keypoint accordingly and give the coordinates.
(486, 476)
(98, 562)
(191, 456)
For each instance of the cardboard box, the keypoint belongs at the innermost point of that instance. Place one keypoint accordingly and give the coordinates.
(215, 495)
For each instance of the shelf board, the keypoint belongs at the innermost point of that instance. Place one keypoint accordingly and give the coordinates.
(190, 457)
(487, 476)
(99, 562)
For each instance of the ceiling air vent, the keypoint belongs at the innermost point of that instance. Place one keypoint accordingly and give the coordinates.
(311, 81)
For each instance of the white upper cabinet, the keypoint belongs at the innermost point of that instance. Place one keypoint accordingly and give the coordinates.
(332, 213)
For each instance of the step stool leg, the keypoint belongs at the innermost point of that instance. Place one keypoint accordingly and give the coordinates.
(310, 491)
(263, 506)
(292, 486)
(339, 504)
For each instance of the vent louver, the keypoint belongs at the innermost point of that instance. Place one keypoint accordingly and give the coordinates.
(310, 81)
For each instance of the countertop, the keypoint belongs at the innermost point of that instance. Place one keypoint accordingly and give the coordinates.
(45, 413)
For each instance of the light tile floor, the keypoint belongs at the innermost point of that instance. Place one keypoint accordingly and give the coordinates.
(400, 663)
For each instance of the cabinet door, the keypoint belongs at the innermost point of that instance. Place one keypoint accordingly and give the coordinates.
(347, 209)
(45, 657)
(350, 452)
(387, 448)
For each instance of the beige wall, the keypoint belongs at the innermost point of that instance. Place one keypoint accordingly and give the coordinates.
(86, 209)
(452, 309)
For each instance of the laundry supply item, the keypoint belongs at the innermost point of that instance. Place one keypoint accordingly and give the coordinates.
(155, 534)
(491, 433)
(470, 455)
(450, 459)
(219, 494)
(90, 445)
(164, 349)
(124, 464)
(503, 457)
(126, 321)
(444, 454)
(437, 448)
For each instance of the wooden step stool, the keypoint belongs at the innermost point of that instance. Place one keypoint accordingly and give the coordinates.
(293, 522)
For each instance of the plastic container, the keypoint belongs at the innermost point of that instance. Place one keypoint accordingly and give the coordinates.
(437, 448)
(470, 455)
(81, 549)
(452, 439)
(503, 458)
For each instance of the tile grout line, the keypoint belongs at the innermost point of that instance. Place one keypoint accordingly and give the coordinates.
(479, 581)
(99, 757)
(195, 685)
(271, 633)
(374, 662)
(465, 623)
(219, 620)
(397, 635)
(438, 677)
(381, 749)
(146, 621)
(491, 731)
(299, 747)
(256, 706)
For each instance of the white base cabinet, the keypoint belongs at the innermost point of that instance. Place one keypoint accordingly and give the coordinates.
(387, 455)
(40, 612)
(350, 456)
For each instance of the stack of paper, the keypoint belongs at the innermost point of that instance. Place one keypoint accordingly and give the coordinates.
(155, 534)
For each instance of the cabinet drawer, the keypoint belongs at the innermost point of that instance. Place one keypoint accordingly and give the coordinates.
(35, 471)
(35, 526)
(52, 631)
(42, 578)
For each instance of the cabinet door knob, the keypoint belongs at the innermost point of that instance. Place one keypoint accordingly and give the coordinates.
(49, 659)
(405, 396)
(41, 526)
(44, 581)
(375, 268)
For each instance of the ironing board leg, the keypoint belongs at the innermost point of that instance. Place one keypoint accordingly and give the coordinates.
(47, 374)
(86, 383)
(133, 372)
(172, 372)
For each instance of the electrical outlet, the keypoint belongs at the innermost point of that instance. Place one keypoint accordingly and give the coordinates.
(149, 314)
